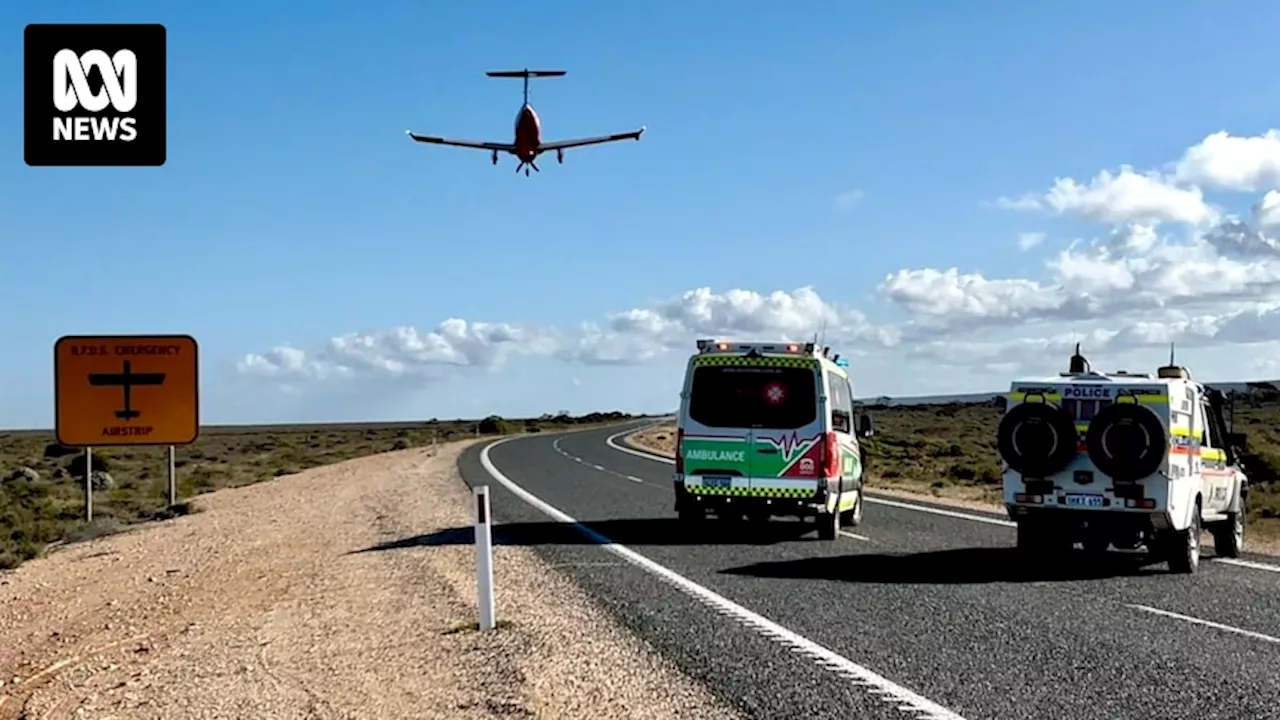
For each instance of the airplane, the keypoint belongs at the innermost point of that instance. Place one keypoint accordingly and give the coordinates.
(527, 144)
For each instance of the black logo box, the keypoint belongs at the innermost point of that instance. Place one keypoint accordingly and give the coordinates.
(148, 43)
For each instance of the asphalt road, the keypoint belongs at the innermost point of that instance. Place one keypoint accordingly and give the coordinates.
(919, 603)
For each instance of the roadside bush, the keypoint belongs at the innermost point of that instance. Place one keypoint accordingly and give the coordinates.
(28, 520)
(54, 450)
(495, 425)
(76, 465)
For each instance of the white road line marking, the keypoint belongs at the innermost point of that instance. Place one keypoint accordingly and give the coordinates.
(1248, 564)
(611, 441)
(944, 513)
(855, 536)
(555, 444)
(1207, 623)
(885, 689)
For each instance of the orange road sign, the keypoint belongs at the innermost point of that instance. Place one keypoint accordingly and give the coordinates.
(126, 390)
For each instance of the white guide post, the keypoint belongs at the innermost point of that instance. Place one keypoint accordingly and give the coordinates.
(484, 557)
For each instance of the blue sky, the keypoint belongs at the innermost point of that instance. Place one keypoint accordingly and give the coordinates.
(293, 209)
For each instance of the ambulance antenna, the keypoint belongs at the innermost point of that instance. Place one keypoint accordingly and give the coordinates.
(1171, 354)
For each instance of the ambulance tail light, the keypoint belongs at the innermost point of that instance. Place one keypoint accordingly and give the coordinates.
(830, 455)
(1140, 503)
(680, 450)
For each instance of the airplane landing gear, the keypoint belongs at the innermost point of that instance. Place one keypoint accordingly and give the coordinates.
(560, 156)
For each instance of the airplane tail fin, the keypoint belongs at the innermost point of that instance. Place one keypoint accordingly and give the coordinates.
(526, 73)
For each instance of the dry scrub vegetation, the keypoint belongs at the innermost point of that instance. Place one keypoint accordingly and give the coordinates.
(948, 451)
(41, 482)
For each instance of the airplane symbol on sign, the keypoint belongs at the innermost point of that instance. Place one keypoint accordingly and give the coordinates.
(126, 380)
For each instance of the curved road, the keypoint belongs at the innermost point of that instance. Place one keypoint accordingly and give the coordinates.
(920, 614)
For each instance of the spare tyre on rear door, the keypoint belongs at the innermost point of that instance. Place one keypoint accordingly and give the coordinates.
(1126, 441)
(1036, 439)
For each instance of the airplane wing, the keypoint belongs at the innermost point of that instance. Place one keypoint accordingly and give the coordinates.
(566, 144)
(500, 147)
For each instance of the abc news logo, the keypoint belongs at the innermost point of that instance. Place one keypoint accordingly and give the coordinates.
(107, 105)
(71, 91)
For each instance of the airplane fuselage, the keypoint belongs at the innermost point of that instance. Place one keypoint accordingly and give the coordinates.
(528, 134)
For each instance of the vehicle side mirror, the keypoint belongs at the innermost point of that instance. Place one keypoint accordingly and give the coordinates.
(1238, 440)
(865, 427)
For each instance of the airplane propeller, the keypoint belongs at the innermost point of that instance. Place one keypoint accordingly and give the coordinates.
(530, 164)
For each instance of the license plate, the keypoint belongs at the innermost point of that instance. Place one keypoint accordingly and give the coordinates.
(717, 482)
(1084, 500)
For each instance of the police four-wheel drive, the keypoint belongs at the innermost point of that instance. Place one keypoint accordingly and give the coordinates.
(1125, 460)
(768, 429)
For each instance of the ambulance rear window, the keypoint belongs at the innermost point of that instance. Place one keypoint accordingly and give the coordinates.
(724, 396)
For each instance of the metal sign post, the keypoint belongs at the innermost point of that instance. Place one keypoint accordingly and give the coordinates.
(173, 476)
(88, 484)
(484, 557)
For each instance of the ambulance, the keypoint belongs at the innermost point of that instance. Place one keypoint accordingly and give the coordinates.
(1122, 460)
(769, 430)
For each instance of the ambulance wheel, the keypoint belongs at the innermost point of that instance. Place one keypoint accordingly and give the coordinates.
(1182, 548)
(1228, 536)
(853, 517)
(828, 525)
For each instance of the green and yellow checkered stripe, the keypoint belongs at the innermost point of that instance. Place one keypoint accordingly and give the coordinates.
(763, 492)
(767, 361)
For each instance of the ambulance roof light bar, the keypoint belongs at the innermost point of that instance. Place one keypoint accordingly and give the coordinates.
(706, 345)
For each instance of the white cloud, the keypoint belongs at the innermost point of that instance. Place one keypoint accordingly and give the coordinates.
(846, 200)
(401, 351)
(1232, 162)
(1164, 266)
(950, 296)
(1267, 212)
(1220, 161)
(1024, 202)
(1134, 273)
(628, 337)
(1028, 240)
(1128, 197)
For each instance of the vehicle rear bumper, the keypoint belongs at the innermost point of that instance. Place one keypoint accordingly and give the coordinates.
(774, 500)
(1114, 519)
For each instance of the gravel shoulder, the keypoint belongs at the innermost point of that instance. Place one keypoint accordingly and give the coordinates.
(319, 595)
(660, 439)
